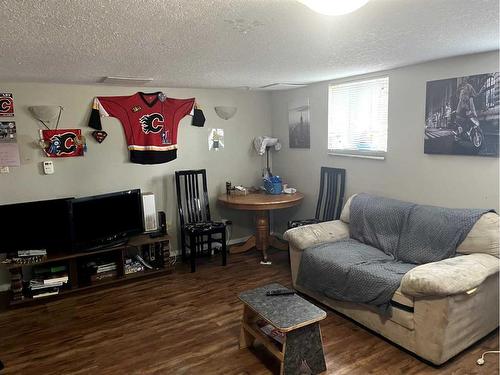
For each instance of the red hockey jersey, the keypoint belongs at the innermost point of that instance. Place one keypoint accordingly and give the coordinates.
(150, 122)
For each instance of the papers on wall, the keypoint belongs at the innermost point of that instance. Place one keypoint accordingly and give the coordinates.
(216, 139)
(9, 149)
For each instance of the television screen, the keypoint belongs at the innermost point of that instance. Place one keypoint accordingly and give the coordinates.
(105, 219)
(35, 225)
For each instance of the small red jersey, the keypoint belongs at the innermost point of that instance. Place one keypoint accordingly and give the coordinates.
(150, 122)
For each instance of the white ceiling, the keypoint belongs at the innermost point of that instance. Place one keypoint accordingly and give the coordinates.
(200, 43)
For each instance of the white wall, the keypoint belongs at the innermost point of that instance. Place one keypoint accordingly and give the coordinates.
(105, 168)
(406, 173)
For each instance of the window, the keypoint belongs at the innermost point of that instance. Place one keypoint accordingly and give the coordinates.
(490, 92)
(357, 118)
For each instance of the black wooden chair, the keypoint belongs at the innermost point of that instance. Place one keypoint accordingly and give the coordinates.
(330, 198)
(194, 215)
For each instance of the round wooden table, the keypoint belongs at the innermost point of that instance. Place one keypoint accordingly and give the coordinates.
(261, 203)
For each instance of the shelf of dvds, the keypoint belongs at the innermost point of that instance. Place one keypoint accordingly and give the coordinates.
(59, 274)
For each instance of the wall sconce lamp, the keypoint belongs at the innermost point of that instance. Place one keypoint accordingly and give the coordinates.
(46, 113)
(225, 112)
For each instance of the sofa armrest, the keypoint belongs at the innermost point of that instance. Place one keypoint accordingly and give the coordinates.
(449, 276)
(308, 235)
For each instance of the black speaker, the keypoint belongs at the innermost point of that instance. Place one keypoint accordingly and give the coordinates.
(162, 222)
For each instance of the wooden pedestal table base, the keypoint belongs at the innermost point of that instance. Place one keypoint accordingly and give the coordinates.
(261, 203)
(262, 239)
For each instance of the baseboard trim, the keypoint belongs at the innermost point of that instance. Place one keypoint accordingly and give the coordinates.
(233, 241)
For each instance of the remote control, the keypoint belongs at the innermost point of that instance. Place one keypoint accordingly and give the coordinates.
(279, 292)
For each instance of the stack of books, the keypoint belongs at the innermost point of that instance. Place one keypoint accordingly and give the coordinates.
(28, 256)
(48, 281)
(99, 269)
(31, 253)
(271, 332)
(16, 285)
(104, 271)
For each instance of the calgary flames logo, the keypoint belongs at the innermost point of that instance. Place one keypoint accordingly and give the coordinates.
(6, 104)
(152, 123)
(63, 144)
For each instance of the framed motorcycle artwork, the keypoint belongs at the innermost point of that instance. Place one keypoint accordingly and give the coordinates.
(462, 115)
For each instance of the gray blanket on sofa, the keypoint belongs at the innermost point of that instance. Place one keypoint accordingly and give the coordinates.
(349, 270)
(388, 238)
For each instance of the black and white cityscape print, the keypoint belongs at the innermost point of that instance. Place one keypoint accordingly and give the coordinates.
(299, 124)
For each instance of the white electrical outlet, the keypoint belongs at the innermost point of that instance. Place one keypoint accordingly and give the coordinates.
(4, 170)
(48, 167)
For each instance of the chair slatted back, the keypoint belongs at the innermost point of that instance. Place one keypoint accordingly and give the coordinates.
(331, 194)
(192, 196)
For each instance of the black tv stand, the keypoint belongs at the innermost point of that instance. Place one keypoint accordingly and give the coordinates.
(118, 252)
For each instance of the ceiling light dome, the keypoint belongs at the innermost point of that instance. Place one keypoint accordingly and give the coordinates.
(334, 7)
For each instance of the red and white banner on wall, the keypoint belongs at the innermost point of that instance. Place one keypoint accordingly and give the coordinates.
(62, 143)
(6, 104)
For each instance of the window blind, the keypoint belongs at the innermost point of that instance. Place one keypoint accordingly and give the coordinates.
(357, 118)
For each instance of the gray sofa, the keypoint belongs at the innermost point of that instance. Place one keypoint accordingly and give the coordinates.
(440, 308)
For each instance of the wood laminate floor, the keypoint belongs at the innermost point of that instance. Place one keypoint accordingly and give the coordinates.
(189, 324)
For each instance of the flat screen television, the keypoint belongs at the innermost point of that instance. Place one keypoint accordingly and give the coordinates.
(35, 225)
(104, 220)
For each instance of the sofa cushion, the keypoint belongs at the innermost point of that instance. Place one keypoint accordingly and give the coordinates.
(346, 213)
(403, 299)
(483, 237)
(450, 276)
(403, 318)
(309, 235)
(349, 270)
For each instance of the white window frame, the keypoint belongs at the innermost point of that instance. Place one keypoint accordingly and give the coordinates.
(370, 154)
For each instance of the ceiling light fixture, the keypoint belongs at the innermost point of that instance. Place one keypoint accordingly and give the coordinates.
(126, 81)
(333, 7)
(282, 86)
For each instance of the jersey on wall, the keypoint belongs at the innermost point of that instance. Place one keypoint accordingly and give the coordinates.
(150, 122)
